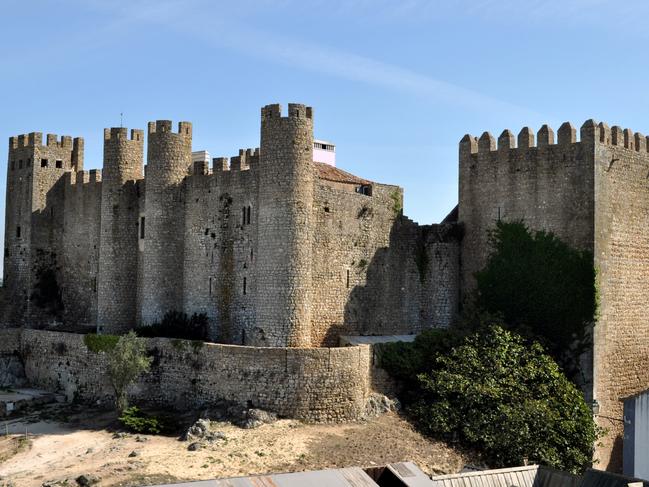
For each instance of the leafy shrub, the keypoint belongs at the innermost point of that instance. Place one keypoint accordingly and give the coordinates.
(135, 420)
(542, 288)
(508, 400)
(100, 343)
(126, 362)
(175, 324)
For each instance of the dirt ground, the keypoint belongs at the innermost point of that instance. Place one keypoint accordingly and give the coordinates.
(64, 444)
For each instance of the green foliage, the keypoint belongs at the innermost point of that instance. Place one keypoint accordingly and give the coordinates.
(134, 419)
(397, 203)
(542, 288)
(175, 324)
(100, 343)
(496, 394)
(126, 362)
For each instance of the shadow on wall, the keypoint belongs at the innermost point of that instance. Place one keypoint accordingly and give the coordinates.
(407, 287)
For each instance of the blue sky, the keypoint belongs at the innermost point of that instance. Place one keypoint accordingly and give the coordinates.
(394, 83)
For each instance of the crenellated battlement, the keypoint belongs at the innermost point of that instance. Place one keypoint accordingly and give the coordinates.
(165, 126)
(121, 133)
(295, 110)
(245, 160)
(590, 131)
(35, 139)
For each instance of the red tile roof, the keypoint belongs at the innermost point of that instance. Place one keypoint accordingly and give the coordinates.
(331, 173)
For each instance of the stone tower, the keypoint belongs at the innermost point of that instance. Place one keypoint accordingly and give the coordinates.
(34, 212)
(118, 239)
(169, 158)
(286, 175)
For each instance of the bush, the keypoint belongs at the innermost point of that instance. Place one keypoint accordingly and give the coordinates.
(100, 343)
(542, 288)
(135, 420)
(175, 324)
(126, 362)
(510, 401)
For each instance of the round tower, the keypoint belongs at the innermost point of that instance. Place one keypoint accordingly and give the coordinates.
(169, 158)
(118, 236)
(283, 266)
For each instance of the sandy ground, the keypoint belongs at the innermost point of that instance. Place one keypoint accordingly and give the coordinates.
(66, 445)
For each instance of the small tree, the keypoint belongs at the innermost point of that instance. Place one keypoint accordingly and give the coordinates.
(508, 400)
(126, 362)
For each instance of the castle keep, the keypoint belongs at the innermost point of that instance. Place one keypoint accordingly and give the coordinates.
(276, 249)
(281, 251)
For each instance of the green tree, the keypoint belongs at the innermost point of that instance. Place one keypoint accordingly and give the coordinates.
(509, 400)
(126, 362)
(543, 289)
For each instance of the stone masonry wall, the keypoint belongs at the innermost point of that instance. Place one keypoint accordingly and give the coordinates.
(622, 261)
(325, 384)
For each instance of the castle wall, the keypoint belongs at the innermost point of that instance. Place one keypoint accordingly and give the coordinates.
(622, 261)
(376, 272)
(220, 246)
(311, 384)
(79, 258)
(119, 230)
(547, 185)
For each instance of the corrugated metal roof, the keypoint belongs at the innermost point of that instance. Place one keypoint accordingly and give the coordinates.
(529, 476)
(344, 477)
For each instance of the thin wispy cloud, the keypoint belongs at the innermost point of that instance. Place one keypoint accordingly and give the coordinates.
(224, 32)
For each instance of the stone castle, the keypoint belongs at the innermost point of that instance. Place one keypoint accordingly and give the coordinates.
(276, 249)
(282, 251)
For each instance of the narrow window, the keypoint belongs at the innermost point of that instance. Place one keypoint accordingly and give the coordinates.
(142, 227)
(20, 164)
(44, 162)
(52, 212)
(348, 278)
(243, 337)
(18, 231)
(28, 162)
(59, 164)
(245, 286)
(248, 215)
(210, 286)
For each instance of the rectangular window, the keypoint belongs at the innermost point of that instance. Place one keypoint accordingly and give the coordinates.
(348, 278)
(245, 286)
(248, 215)
(18, 231)
(59, 164)
(44, 162)
(20, 164)
(142, 227)
(210, 286)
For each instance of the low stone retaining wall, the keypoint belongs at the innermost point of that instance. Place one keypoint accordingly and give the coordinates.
(313, 384)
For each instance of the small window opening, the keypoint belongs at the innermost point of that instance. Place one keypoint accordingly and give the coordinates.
(142, 227)
(18, 231)
(326, 209)
(28, 162)
(52, 212)
(6, 251)
(243, 337)
(248, 214)
(20, 164)
(210, 286)
(347, 278)
(59, 164)
(245, 286)
(44, 162)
